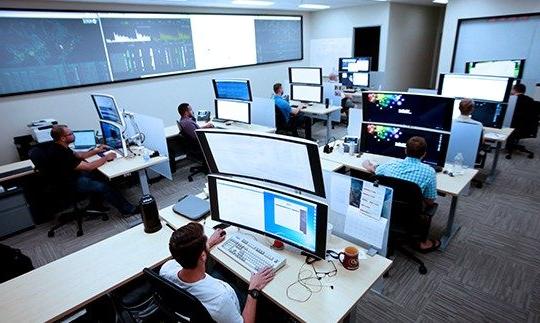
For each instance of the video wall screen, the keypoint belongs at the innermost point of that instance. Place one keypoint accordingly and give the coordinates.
(47, 50)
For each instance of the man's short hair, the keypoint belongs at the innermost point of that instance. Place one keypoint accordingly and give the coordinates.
(416, 147)
(277, 86)
(57, 131)
(183, 108)
(520, 88)
(466, 106)
(187, 243)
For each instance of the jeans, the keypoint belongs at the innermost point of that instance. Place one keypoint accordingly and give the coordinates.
(301, 121)
(88, 183)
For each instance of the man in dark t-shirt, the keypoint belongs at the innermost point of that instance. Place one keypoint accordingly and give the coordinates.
(71, 168)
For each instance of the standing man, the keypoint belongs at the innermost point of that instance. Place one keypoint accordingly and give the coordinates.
(293, 116)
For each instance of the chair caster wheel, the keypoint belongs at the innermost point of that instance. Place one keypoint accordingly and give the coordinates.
(479, 185)
(386, 275)
(508, 157)
(105, 218)
(50, 234)
(79, 233)
(422, 270)
(190, 179)
(530, 156)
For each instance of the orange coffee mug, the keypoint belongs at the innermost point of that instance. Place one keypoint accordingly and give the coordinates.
(350, 258)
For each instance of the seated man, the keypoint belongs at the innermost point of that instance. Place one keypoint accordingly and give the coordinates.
(525, 119)
(187, 121)
(190, 249)
(72, 169)
(412, 169)
(466, 108)
(293, 116)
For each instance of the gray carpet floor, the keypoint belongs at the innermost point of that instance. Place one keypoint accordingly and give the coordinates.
(489, 273)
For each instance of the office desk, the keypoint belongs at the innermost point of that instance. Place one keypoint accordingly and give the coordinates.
(319, 111)
(11, 171)
(498, 136)
(63, 286)
(329, 305)
(126, 165)
(445, 184)
(172, 131)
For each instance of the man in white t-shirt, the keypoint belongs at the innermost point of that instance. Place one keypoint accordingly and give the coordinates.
(190, 249)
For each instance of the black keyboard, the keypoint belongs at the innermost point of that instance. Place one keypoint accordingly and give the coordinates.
(219, 120)
(16, 171)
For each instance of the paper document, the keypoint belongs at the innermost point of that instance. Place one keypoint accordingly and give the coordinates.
(366, 229)
(371, 200)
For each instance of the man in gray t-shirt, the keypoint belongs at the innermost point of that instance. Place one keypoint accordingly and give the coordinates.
(187, 122)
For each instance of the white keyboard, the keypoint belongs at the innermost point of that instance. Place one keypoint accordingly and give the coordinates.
(251, 254)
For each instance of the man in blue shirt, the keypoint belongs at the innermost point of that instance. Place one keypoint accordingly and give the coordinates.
(412, 169)
(293, 116)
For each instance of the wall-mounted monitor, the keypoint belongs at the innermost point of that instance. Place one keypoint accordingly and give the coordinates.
(306, 93)
(489, 88)
(354, 79)
(233, 89)
(390, 140)
(305, 75)
(107, 109)
(239, 111)
(420, 110)
(490, 114)
(507, 68)
(295, 219)
(288, 161)
(112, 137)
(354, 64)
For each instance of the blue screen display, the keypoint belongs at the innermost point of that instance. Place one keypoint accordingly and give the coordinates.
(107, 108)
(112, 135)
(233, 90)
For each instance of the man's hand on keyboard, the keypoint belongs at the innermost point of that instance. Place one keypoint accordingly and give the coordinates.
(215, 238)
(261, 279)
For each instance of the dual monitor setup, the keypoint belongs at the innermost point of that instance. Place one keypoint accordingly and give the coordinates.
(269, 195)
(306, 84)
(354, 71)
(233, 100)
(111, 122)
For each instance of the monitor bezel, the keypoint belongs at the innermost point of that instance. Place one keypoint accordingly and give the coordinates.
(340, 60)
(85, 131)
(243, 102)
(442, 157)
(510, 81)
(498, 125)
(520, 72)
(298, 84)
(312, 151)
(340, 77)
(321, 223)
(122, 121)
(124, 151)
(305, 68)
(215, 81)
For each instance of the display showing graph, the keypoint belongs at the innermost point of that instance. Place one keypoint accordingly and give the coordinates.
(278, 40)
(143, 47)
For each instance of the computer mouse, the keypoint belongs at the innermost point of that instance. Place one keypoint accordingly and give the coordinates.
(222, 233)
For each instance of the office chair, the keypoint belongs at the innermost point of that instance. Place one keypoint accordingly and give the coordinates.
(61, 193)
(282, 126)
(525, 124)
(193, 153)
(408, 212)
(177, 304)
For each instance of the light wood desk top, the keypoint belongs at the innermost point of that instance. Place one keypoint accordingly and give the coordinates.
(497, 135)
(172, 131)
(15, 166)
(52, 291)
(316, 108)
(126, 165)
(445, 183)
(329, 165)
(328, 305)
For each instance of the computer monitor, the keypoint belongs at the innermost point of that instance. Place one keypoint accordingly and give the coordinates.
(489, 88)
(233, 89)
(354, 64)
(297, 220)
(507, 68)
(354, 79)
(84, 139)
(306, 93)
(107, 109)
(288, 161)
(239, 111)
(305, 75)
(419, 110)
(112, 137)
(491, 114)
(389, 140)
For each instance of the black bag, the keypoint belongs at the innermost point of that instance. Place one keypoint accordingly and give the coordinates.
(15, 263)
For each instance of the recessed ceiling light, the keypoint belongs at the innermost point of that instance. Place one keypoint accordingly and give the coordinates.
(440, 1)
(252, 3)
(313, 6)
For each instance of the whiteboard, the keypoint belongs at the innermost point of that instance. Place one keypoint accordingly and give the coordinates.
(324, 52)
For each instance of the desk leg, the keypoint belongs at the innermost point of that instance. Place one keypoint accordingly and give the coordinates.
(328, 126)
(144, 182)
(450, 230)
(491, 176)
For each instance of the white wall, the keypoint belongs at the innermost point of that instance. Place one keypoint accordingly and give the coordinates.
(412, 39)
(157, 97)
(460, 9)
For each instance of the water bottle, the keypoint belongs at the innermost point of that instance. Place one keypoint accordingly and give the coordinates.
(146, 155)
(458, 164)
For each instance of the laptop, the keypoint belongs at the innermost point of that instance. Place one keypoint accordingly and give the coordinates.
(84, 139)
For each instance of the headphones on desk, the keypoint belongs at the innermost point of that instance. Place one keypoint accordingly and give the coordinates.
(327, 149)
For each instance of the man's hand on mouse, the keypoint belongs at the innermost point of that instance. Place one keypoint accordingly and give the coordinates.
(216, 238)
